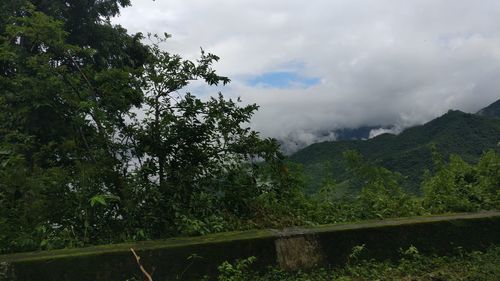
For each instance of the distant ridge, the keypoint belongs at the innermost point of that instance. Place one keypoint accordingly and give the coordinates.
(408, 153)
(492, 110)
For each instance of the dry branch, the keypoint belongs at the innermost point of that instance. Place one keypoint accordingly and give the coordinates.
(138, 260)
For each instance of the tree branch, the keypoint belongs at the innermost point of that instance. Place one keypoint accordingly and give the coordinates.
(138, 260)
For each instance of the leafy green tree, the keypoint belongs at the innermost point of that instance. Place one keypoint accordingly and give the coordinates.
(328, 183)
(454, 187)
(459, 187)
(489, 179)
(381, 194)
(87, 24)
(115, 150)
(188, 148)
(59, 127)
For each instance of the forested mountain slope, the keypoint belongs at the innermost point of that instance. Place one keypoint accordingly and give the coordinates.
(408, 153)
(493, 110)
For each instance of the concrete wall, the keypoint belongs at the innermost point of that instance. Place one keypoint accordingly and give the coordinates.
(290, 249)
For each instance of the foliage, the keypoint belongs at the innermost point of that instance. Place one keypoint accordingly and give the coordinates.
(235, 272)
(459, 187)
(97, 144)
(59, 118)
(408, 153)
(381, 193)
(411, 266)
(454, 186)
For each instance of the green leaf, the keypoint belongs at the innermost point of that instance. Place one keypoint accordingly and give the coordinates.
(98, 199)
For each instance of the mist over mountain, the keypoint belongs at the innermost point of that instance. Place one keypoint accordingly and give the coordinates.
(297, 140)
(409, 153)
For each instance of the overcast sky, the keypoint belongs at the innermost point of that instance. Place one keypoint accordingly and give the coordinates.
(317, 65)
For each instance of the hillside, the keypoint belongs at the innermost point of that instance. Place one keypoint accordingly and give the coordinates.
(408, 153)
(493, 110)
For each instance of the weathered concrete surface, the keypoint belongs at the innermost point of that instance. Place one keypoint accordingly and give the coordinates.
(290, 248)
(294, 252)
(166, 259)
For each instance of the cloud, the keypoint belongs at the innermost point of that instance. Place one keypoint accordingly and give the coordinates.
(380, 131)
(298, 139)
(320, 65)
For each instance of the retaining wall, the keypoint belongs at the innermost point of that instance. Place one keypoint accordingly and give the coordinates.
(173, 259)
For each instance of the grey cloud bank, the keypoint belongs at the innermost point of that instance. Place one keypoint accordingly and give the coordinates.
(385, 62)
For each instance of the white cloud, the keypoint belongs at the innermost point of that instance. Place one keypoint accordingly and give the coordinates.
(380, 62)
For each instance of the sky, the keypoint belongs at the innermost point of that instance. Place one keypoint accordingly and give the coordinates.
(319, 65)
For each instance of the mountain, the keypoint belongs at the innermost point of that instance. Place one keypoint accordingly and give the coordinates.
(360, 133)
(408, 153)
(493, 110)
(299, 140)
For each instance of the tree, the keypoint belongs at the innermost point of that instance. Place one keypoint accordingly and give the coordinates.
(381, 194)
(106, 148)
(187, 146)
(60, 121)
(457, 186)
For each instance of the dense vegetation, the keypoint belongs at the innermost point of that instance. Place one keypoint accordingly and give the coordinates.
(477, 266)
(410, 152)
(99, 143)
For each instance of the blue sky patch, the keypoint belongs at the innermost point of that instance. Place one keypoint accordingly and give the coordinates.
(283, 80)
